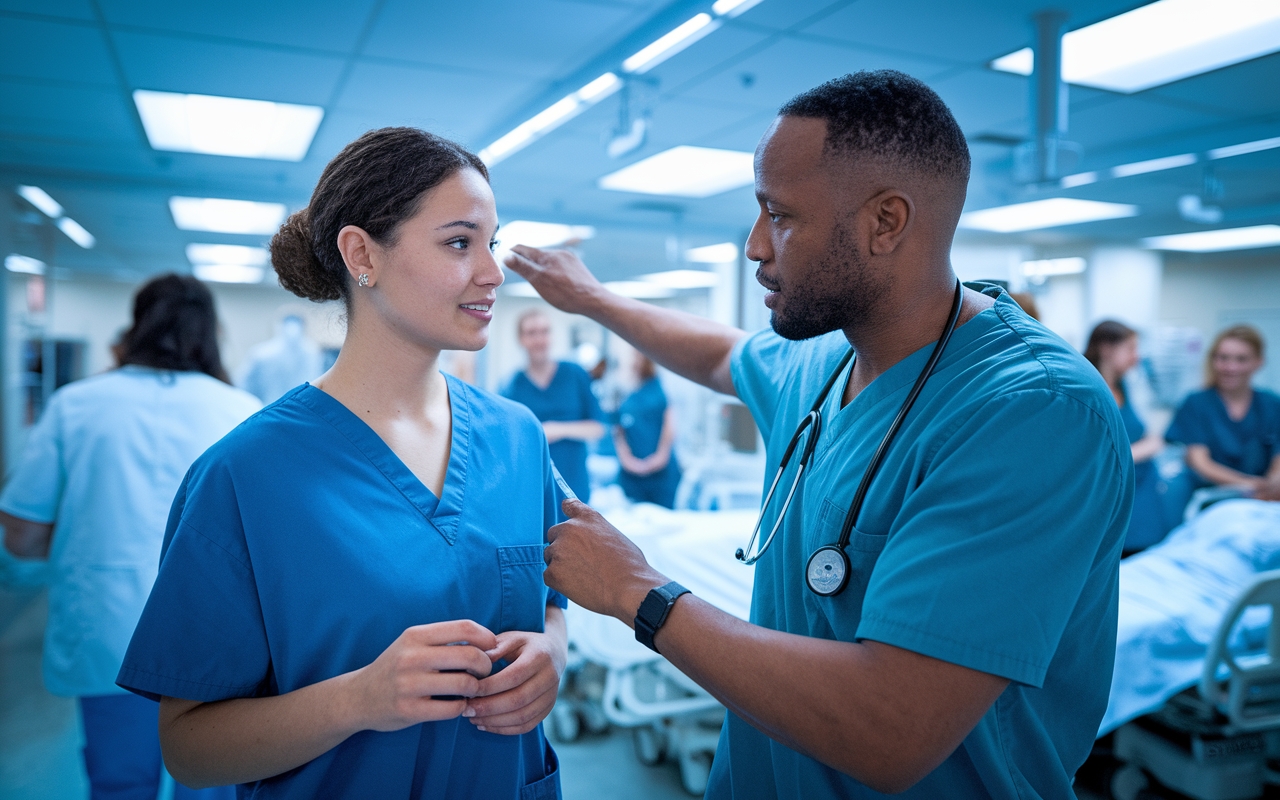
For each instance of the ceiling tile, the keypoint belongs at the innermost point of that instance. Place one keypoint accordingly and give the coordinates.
(80, 113)
(72, 9)
(313, 24)
(54, 51)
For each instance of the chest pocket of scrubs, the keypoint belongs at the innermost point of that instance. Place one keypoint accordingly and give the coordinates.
(844, 611)
(524, 595)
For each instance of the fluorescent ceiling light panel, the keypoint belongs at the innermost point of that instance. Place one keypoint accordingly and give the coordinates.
(228, 254)
(228, 273)
(641, 290)
(226, 216)
(723, 253)
(683, 279)
(1214, 241)
(25, 264)
(40, 199)
(1162, 42)
(732, 8)
(550, 118)
(668, 45)
(76, 232)
(521, 289)
(1242, 149)
(684, 171)
(227, 126)
(542, 234)
(1079, 179)
(1044, 214)
(1053, 266)
(1154, 165)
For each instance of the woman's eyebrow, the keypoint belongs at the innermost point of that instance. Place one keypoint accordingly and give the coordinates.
(460, 223)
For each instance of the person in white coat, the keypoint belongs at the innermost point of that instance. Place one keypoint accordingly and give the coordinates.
(91, 496)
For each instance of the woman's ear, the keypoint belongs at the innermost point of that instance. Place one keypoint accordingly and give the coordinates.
(356, 247)
(892, 213)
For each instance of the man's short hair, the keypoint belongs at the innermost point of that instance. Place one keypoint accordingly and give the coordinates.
(888, 114)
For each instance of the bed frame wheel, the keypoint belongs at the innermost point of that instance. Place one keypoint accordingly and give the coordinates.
(564, 724)
(594, 718)
(695, 772)
(650, 745)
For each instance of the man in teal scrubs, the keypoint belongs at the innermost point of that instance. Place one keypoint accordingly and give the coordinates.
(970, 654)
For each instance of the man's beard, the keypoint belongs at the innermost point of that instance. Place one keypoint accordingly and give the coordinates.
(837, 294)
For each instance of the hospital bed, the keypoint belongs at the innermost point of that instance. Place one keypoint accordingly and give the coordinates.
(1195, 696)
(614, 680)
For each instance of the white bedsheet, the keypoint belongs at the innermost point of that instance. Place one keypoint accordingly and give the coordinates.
(1173, 598)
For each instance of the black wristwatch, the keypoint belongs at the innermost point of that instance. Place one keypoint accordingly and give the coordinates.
(654, 610)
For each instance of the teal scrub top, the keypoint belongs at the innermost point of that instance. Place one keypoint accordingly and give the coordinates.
(300, 547)
(1247, 445)
(568, 398)
(990, 539)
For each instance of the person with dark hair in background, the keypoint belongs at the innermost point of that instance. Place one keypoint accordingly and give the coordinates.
(92, 493)
(350, 601)
(1231, 429)
(645, 439)
(559, 395)
(935, 597)
(1113, 350)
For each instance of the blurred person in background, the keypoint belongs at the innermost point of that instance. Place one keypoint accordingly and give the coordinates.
(284, 361)
(1113, 350)
(1231, 429)
(559, 395)
(92, 495)
(644, 438)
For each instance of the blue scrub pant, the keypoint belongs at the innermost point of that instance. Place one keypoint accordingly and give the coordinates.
(122, 751)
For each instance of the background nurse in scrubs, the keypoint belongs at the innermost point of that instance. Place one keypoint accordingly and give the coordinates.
(350, 603)
(1231, 429)
(645, 439)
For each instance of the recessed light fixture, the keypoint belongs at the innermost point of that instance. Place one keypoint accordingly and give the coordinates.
(1161, 42)
(1246, 147)
(538, 234)
(671, 43)
(732, 8)
(1154, 165)
(227, 126)
(684, 171)
(228, 254)
(75, 232)
(1079, 179)
(723, 253)
(226, 216)
(519, 289)
(1048, 213)
(25, 264)
(641, 290)
(683, 279)
(228, 273)
(1215, 241)
(1038, 270)
(40, 199)
(550, 118)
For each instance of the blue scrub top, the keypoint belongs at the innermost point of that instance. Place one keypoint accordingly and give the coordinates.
(990, 539)
(641, 416)
(1146, 527)
(300, 547)
(1247, 445)
(568, 398)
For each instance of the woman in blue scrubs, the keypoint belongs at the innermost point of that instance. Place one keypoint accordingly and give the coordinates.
(644, 438)
(1231, 429)
(559, 395)
(350, 601)
(1113, 350)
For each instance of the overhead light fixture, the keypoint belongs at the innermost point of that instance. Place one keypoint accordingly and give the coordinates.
(1049, 213)
(732, 8)
(1162, 42)
(723, 253)
(640, 290)
(226, 216)
(521, 289)
(671, 43)
(550, 118)
(40, 199)
(1038, 270)
(684, 171)
(539, 234)
(75, 232)
(683, 279)
(24, 264)
(228, 273)
(1154, 165)
(228, 254)
(1215, 241)
(1246, 147)
(227, 126)
(1079, 179)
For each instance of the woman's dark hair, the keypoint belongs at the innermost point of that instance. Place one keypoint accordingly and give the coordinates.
(1107, 332)
(375, 183)
(175, 327)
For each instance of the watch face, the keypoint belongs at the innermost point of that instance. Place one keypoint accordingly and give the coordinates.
(828, 571)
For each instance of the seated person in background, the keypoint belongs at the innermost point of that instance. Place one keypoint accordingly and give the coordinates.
(1231, 429)
(644, 437)
(559, 395)
(1113, 350)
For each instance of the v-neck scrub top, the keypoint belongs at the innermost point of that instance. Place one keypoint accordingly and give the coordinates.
(1247, 445)
(990, 538)
(300, 547)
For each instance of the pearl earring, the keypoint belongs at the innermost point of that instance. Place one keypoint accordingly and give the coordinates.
(364, 279)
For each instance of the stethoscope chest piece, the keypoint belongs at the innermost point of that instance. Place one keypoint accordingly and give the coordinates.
(828, 571)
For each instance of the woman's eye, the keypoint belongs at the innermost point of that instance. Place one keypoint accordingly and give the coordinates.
(493, 245)
(457, 244)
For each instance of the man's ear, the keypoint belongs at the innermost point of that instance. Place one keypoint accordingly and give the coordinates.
(892, 212)
(356, 247)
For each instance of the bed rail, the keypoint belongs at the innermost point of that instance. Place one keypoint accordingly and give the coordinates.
(1250, 695)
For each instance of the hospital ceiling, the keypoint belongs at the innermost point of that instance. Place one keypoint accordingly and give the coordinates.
(474, 70)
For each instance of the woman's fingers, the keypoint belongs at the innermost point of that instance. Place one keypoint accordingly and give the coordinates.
(453, 632)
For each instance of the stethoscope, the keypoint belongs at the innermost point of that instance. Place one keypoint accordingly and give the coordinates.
(827, 571)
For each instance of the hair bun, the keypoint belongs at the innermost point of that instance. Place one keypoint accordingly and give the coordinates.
(296, 264)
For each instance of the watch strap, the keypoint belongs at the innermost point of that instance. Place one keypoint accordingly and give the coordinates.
(654, 611)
